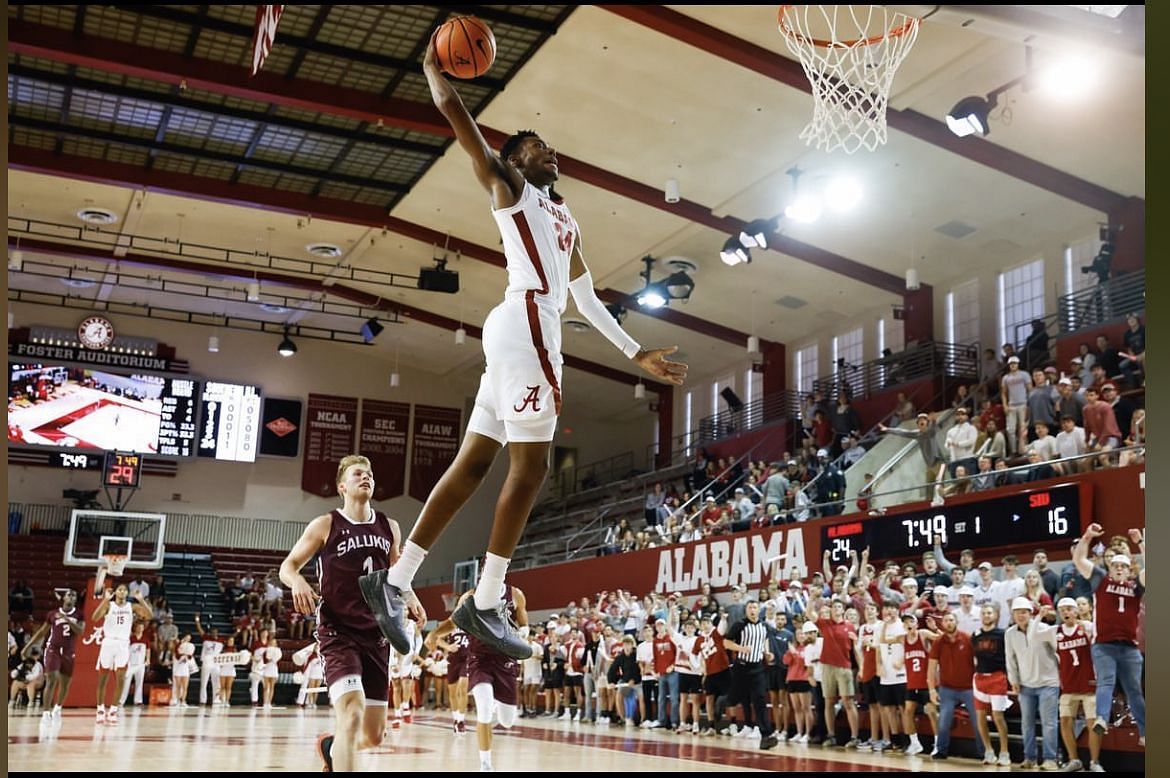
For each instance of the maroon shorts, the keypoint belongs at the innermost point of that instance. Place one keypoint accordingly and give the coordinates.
(57, 661)
(345, 655)
(456, 668)
(501, 672)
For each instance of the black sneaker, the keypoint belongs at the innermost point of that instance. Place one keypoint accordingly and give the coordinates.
(938, 756)
(769, 741)
(385, 601)
(491, 627)
(325, 751)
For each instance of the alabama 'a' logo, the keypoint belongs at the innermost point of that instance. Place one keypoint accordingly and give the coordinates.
(532, 397)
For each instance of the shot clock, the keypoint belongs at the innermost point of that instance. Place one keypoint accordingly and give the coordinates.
(1052, 516)
(122, 470)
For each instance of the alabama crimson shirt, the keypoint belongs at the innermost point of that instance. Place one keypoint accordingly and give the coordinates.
(710, 647)
(868, 636)
(1074, 652)
(1115, 609)
(665, 654)
(839, 637)
(916, 663)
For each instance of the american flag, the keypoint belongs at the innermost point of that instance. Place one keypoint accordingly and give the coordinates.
(267, 17)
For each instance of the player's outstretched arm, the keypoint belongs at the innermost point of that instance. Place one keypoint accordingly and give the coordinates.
(502, 180)
(311, 541)
(104, 608)
(142, 608)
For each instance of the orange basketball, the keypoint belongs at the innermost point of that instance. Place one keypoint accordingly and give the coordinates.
(465, 47)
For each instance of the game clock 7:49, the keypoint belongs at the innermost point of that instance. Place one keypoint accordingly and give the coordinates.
(1041, 516)
(122, 470)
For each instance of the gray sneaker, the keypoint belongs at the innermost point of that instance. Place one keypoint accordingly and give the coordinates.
(389, 609)
(491, 627)
(1073, 766)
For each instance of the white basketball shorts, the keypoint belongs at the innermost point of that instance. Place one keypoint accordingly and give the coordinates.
(519, 394)
(115, 654)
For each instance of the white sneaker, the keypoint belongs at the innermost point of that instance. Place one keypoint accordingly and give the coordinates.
(782, 737)
(755, 733)
(989, 757)
(654, 724)
(1095, 767)
(803, 738)
(914, 748)
(1049, 764)
(629, 723)
(1005, 759)
(577, 716)
(57, 712)
(101, 716)
(566, 716)
(646, 723)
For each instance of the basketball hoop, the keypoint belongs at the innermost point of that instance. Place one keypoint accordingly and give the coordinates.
(850, 54)
(115, 563)
(450, 600)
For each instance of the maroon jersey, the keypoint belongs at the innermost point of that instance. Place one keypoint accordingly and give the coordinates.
(460, 640)
(352, 550)
(917, 659)
(710, 647)
(486, 665)
(1073, 650)
(1115, 609)
(61, 631)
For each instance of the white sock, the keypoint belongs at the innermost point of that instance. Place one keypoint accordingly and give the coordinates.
(914, 739)
(101, 708)
(485, 758)
(403, 572)
(491, 582)
(458, 716)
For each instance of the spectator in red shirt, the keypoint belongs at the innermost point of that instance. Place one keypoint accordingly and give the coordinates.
(837, 672)
(716, 666)
(1101, 430)
(949, 676)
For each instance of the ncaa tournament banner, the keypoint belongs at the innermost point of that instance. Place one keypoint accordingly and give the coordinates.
(329, 436)
(433, 449)
(383, 441)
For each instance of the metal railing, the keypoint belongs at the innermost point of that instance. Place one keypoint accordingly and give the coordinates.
(777, 406)
(1102, 303)
(584, 477)
(699, 494)
(193, 529)
(926, 360)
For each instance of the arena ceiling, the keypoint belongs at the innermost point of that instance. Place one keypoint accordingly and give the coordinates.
(216, 178)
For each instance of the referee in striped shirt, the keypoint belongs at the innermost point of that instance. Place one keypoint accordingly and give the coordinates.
(749, 639)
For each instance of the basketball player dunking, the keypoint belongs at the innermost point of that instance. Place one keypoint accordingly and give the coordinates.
(115, 653)
(62, 626)
(352, 540)
(519, 396)
(491, 675)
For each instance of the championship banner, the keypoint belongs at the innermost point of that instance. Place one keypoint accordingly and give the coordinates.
(329, 435)
(433, 449)
(383, 441)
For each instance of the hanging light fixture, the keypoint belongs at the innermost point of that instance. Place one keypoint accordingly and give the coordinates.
(639, 391)
(734, 252)
(286, 348)
(253, 291)
(460, 336)
(394, 376)
(753, 344)
(213, 344)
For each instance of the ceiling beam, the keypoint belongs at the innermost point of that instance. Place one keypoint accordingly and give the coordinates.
(247, 195)
(127, 59)
(358, 296)
(789, 72)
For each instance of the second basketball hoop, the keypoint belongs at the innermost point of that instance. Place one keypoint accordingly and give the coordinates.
(850, 54)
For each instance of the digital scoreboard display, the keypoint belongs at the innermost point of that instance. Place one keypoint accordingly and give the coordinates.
(122, 470)
(1051, 516)
(230, 425)
(83, 409)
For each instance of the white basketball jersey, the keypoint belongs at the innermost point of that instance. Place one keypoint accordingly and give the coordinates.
(539, 233)
(119, 621)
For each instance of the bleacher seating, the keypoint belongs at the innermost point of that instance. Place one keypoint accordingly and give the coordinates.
(38, 560)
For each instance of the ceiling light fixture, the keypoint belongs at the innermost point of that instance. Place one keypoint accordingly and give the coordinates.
(253, 291)
(371, 329)
(734, 252)
(639, 391)
(970, 115)
(805, 207)
(213, 344)
(286, 348)
(755, 233)
(460, 336)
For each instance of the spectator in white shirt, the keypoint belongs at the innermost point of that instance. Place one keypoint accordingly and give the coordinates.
(960, 443)
(138, 585)
(1070, 442)
(968, 613)
(1010, 587)
(1044, 444)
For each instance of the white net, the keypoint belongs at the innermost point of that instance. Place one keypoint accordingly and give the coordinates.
(115, 563)
(850, 55)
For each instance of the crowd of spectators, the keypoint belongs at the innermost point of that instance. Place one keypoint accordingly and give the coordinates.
(887, 641)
